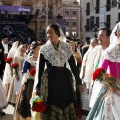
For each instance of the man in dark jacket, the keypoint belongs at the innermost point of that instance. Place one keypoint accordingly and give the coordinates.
(7, 46)
(2, 60)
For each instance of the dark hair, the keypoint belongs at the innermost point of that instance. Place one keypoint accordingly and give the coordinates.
(56, 28)
(34, 45)
(118, 29)
(108, 31)
(4, 36)
(40, 43)
(75, 45)
(68, 41)
(69, 38)
(94, 39)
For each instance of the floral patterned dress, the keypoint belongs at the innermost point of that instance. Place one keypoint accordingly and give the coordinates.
(56, 82)
(23, 107)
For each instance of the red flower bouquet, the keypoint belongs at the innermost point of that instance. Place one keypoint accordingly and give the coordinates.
(111, 82)
(37, 104)
(98, 74)
(9, 60)
(15, 65)
(32, 72)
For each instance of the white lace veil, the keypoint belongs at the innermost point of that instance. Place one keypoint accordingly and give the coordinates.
(62, 35)
(13, 49)
(112, 52)
(61, 38)
(113, 37)
(37, 70)
(17, 53)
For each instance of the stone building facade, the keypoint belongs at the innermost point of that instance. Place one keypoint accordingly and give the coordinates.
(98, 13)
(71, 13)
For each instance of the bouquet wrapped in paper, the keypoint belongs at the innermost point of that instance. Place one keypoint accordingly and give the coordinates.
(111, 82)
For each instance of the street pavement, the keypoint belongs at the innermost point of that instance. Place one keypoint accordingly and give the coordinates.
(9, 114)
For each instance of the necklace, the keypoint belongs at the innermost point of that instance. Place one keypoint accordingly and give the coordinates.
(57, 52)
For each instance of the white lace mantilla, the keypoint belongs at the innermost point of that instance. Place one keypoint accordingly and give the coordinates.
(31, 61)
(113, 53)
(56, 57)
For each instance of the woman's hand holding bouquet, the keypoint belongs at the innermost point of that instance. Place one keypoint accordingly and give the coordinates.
(111, 82)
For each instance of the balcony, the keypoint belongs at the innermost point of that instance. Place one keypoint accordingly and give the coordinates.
(97, 10)
(108, 7)
(87, 27)
(107, 24)
(7, 2)
(27, 2)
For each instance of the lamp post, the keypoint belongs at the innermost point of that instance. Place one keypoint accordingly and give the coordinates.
(95, 29)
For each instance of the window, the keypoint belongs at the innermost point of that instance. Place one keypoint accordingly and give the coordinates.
(114, 3)
(74, 35)
(87, 38)
(67, 33)
(97, 22)
(108, 20)
(74, 23)
(87, 25)
(67, 12)
(67, 23)
(50, 12)
(108, 5)
(118, 16)
(97, 6)
(87, 8)
(74, 13)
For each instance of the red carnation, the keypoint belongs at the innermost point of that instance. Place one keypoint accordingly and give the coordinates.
(15, 65)
(9, 60)
(98, 73)
(32, 72)
(39, 107)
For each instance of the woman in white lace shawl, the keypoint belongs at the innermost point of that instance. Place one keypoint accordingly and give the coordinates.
(55, 83)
